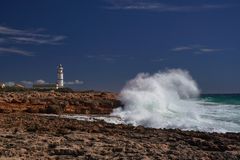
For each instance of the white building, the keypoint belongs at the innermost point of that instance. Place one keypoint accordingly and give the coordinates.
(2, 85)
(59, 84)
(60, 81)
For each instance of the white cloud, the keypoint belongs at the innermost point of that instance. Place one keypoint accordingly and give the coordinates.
(158, 6)
(158, 60)
(15, 51)
(210, 50)
(75, 82)
(182, 48)
(15, 36)
(27, 82)
(12, 32)
(40, 81)
(39, 40)
(9, 83)
(196, 49)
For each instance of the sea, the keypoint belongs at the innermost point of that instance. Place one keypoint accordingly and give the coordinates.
(222, 99)
(216, 113)
(172, 99)
(224, 109)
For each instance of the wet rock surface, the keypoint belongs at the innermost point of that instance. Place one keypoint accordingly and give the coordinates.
(30, 136)
(58, 102)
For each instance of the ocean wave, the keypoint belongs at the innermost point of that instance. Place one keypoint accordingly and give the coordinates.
(170, 99)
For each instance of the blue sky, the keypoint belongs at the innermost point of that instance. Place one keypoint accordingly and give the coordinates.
(104, 43)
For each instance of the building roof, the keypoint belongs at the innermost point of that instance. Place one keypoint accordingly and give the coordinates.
(19, 86)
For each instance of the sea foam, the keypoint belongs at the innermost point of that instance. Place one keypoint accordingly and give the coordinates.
(169, 99)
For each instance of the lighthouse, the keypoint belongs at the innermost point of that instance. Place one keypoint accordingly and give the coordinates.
(60, 82)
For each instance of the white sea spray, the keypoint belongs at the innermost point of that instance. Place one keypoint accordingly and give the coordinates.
(169, 100)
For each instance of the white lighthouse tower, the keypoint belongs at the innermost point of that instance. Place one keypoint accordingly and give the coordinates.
(60, 82)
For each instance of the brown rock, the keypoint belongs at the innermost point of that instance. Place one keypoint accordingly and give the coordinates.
(54, 109)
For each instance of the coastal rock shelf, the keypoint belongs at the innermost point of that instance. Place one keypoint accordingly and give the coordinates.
(29, 136)
(59, 102)
(26, 134)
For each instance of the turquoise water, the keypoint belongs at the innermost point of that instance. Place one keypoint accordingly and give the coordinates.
(221, 111)
(208, 113)
(226, 99)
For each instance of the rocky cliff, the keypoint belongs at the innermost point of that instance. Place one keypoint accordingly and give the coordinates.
(59, 102)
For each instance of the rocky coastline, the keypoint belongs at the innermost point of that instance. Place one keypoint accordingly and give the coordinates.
(89, 102)
(24, 134)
